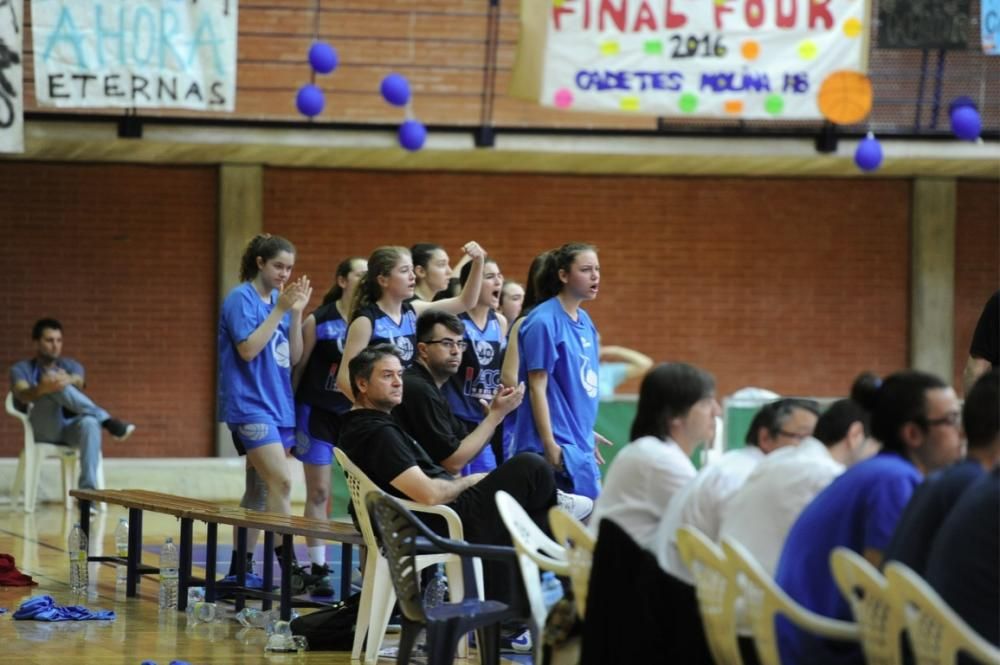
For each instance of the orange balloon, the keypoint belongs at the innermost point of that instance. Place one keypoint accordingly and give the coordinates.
(845, 97)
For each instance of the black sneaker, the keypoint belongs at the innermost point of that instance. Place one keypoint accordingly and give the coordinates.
(119, 429)
(322, 581)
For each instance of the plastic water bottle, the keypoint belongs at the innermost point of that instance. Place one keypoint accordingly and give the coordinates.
(169, 562)
(552, 589)
(436, 590)
(251, 617)
(121, 549)
(198, 610)
(77, 548)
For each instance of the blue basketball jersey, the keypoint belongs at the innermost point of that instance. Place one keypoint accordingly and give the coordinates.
(478, 376)
(402, 335)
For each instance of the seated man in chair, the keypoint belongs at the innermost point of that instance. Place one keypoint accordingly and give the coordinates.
(61, 412)
(395, 462)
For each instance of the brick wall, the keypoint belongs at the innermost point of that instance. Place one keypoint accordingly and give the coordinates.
(977, 260)
(795, 285)
(125, 257)
(790, 284)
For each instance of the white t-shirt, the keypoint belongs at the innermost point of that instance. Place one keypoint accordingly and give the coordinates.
(700, 505)
(640, 483)
(764, 509)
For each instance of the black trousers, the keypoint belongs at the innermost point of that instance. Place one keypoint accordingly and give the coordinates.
(529, 479)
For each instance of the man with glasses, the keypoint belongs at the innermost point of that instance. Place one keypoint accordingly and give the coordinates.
(915, 416)
(425, 413)
(932, 502)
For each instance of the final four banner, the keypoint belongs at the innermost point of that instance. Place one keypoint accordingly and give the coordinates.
(135, 53)
(11, 76)
(739, 59)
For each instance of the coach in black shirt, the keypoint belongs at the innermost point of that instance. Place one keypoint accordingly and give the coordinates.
(425, 413)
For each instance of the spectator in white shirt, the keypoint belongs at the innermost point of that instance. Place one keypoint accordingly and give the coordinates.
(676, 412)
(785, 422)
(760, 514)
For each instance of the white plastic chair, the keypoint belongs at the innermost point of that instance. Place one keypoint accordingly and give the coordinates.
(937, 634)
(867, 592)
(765, 600)
(535, 552)
(579, 544)
(29, 464)
(377, 593)
(717, 593)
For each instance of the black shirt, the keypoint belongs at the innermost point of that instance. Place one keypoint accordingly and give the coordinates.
(380, 448)
(926, 512)
(962, 566)
(426, 415)
(986, 339)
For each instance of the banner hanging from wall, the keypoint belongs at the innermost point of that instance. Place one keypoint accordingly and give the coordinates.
(11, 76)
(135, 53)
(990, 22)
(738, 59)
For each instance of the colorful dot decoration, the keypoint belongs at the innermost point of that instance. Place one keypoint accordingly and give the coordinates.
(563, 98)
(733, 106)
(653, 47)
(610, 48)
(853, 27)
(750, 49)
(808, 50)
(688, 102)
(629, 103)
(774, 104)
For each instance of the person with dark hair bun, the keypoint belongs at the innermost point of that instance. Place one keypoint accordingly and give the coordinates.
(761, 512)
(934, 499)
(984, 351)
(915, 416)
(676, 413)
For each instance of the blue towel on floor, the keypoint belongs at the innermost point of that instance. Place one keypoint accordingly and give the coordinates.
(43, 608)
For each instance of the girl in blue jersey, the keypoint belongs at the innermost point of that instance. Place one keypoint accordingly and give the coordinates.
(384, 309)
(558, 357)
(319, 402)
(260, 338)
(478, 377)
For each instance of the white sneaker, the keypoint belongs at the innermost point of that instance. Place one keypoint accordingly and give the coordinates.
(576, 505)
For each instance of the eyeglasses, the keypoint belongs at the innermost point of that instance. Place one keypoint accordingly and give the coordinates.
(953, 419)
(792, 435)
(449, 343)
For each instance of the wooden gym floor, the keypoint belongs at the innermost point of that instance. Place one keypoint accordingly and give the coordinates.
(139, 633)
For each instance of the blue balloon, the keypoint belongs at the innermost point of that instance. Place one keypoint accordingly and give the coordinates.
(966, 123)
(396, 89)
(309, 101)
(868, 155)
(959, 102)
(412, 135)
(323, 57)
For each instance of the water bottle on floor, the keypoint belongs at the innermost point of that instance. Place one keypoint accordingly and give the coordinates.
(436, 590)
(169, 562)
(77, 548)
(552, 590)
(121, 549)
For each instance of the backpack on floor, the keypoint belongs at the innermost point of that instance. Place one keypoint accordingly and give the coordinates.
(331, 628)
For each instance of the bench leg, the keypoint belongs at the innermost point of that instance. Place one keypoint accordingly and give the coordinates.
(286, 576)
(187, 535)
(346, 570)
(134, 552)
(241, 565)
(85, 519)
(268, 568)
(210, 554)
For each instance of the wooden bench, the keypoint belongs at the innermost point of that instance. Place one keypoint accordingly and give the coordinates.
(212, 514)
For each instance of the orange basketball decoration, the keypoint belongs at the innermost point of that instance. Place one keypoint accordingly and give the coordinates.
(845, 98)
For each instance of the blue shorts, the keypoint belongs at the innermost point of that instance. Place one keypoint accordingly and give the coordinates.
(247, 436)
(314, 431)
